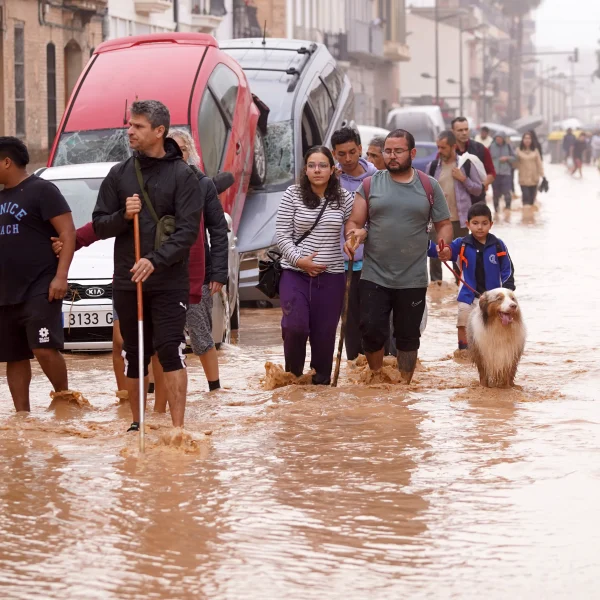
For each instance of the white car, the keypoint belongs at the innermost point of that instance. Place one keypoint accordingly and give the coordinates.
(87, 309)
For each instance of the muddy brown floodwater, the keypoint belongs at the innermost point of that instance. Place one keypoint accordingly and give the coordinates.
(442, 490)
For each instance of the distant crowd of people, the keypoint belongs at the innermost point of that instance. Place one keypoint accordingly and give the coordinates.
(581, 149)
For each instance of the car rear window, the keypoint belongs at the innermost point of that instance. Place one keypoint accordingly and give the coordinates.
(81, 195)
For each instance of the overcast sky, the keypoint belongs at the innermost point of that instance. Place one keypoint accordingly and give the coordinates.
(568, 23)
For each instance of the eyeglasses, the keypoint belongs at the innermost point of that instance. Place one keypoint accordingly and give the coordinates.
(321, 166)
(395, 151)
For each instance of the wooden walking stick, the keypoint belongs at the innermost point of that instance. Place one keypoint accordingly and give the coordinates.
(338, 359)
(140, 315)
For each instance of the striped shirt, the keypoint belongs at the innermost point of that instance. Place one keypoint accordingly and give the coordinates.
(294, 219)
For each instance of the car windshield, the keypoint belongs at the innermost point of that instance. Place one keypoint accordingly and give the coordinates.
(102, 145)
(98, 145)
(81, 195)
(279, 142)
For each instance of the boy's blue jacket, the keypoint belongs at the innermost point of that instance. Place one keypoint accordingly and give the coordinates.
(498, 267)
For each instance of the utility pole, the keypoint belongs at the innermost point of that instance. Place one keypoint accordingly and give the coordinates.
(437, 54)
(460, 65)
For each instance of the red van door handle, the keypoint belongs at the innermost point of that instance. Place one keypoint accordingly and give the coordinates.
(238, 148)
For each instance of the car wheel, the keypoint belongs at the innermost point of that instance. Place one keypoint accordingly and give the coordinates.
(259, 164)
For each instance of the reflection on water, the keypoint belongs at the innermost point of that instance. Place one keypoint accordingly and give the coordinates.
(441, 490)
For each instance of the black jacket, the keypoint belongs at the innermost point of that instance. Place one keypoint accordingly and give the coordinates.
(173, 190)
(217, 254)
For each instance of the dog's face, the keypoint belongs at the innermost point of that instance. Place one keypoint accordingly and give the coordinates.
(499, 304)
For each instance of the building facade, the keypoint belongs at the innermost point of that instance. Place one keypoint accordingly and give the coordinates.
(43, 50)
(367, 38)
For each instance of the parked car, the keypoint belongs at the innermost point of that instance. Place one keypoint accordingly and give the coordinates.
(368, 132)
(87, 309)
(206, 91)
(424, 122)
(426, 152)
(308, 98)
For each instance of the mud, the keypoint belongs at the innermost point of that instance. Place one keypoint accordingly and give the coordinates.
(440, 489)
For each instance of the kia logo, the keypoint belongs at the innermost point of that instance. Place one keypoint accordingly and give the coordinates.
(94, 292)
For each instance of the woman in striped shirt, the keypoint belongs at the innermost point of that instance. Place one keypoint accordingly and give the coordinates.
(311, 289)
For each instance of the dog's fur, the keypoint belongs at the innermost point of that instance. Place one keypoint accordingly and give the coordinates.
(496, 336)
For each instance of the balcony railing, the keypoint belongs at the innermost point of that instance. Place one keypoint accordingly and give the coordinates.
(365, 39)
(207, 14)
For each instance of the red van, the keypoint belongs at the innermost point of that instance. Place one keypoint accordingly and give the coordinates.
(205, 90)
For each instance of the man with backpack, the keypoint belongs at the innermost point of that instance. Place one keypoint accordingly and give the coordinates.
(458, 187)
(460, 128)
(401, 206)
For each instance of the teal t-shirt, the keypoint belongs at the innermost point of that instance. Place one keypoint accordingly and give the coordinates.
(396, 247)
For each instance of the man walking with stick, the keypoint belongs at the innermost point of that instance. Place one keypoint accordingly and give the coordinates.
(401, 205)
(157, 186)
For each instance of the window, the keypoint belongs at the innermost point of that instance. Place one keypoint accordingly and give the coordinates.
(334, 82)
(51, 90)
(19, 80)
(224, 85)
(212, 132)
(321, 105)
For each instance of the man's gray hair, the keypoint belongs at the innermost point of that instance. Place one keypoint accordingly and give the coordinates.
(193, 158)
(156, 112)
(448, 136)
(378, 141)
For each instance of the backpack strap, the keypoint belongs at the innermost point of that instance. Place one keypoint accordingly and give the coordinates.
(138, 172)
(367, 187)
(499, 250)
(433, 165)
(462, 258)
(428, 187)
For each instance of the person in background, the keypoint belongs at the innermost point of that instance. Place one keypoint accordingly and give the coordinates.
(578, 150)
(568, 143)
(347, 150)
(484, 137)
(215, 257)
(375, 152)
(458, 187)
(173, 189)
(503, 157)
(460, 128)
(531, 169)
(595, 144)
(394, 278)
(312, 285)
(33, 282)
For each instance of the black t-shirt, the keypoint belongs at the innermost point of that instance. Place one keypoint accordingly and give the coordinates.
(479, 267)
(579, 148)
(27, 263)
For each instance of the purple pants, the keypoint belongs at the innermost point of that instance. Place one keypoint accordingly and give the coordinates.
(311, 308)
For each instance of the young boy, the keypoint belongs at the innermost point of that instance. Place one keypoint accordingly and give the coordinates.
(483, 261)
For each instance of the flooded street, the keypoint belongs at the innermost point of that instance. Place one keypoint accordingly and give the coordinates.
(440, 490)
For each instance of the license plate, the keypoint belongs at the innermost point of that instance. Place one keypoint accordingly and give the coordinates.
(88, 319)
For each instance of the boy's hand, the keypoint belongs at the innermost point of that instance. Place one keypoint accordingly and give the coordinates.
(444, 252)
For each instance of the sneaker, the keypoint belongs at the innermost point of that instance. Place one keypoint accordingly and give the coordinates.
(135, 426)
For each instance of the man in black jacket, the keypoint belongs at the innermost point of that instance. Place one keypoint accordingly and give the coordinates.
(172, 189)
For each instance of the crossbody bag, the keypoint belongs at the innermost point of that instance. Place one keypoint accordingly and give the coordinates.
(165, 226)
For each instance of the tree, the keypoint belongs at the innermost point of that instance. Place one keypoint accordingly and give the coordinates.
(516, 10)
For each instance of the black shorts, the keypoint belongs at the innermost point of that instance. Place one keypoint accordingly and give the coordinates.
(376, 305)
(164, 324)
(33, 324)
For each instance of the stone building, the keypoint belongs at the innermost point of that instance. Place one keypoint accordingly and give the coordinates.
(43, 49)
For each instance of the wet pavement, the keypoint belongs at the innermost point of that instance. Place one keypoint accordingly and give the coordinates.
(440, 490)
